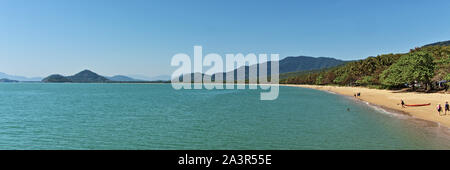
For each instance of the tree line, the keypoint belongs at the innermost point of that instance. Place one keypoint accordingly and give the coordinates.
(425, 68)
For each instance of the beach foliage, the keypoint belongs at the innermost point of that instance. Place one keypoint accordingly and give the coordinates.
(421, 67)
(409, 69)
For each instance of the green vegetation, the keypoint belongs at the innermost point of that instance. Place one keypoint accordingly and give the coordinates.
(421, 67)
(410, 68)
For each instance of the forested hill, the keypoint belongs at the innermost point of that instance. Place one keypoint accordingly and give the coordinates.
(425, 67)
(288, 64)
(305, 63)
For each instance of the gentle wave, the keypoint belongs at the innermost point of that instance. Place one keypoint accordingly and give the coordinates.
(397, 114)
(390, 113)
(380, 109)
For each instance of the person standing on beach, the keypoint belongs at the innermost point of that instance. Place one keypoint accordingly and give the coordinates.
(447, 108)
(439, 109)
(403, 104)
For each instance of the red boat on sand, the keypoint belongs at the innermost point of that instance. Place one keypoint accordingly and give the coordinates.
(418, 104)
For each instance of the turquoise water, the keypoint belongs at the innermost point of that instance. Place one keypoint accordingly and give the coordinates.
(154, 116)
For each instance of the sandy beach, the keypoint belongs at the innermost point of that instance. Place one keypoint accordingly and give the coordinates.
(391, 99)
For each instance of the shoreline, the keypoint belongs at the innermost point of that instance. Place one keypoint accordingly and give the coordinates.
(390, 100)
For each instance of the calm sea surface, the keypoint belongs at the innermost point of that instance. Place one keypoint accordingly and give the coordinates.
(154, 116)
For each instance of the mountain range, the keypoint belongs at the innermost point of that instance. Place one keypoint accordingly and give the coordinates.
(18, 78)
(286, 65)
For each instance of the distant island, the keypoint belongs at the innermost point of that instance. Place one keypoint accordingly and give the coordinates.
(19, 78)
(8, 81)
(87, 76)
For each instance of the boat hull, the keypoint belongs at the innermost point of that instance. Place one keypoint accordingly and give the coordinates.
(418, 104)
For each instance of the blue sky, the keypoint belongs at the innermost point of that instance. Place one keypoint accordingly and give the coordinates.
(42, 37)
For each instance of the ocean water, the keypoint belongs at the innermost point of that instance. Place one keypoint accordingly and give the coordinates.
(155, 116)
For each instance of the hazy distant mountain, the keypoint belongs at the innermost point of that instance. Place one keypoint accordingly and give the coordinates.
(7, 81)
(122, 78)
(442, 43)
(18, 78)
(161, 77)
(142, 77)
